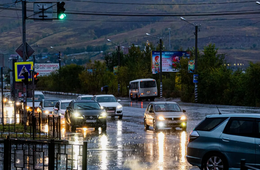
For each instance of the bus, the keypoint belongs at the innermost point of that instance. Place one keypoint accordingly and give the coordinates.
(143, 89)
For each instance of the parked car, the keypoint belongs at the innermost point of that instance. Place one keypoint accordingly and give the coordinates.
(85, 113)
(46, 107)
(85, 97)
(164, 115)
(110, 104)
(221, 141)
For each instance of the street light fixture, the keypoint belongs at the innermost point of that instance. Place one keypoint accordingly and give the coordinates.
(196, 53)
(257, 2)
(160, 72)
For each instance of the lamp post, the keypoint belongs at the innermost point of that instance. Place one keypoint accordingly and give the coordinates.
(196, 55)
(118, 63)
(160, 71)
(169, 38)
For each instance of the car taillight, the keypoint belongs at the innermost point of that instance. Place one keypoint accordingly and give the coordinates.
(193, 135)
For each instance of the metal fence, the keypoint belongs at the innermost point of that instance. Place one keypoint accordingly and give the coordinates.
(42, 155)
(31, 127)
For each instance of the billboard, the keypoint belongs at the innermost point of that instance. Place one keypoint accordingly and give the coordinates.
(45, 69)
(169, 60)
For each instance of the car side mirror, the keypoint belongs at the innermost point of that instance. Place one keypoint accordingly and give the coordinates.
(119, 100)
(184, 111)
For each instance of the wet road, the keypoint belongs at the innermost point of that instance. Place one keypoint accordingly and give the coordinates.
(126, 145)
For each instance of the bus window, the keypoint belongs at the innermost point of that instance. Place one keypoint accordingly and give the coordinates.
(147, 84)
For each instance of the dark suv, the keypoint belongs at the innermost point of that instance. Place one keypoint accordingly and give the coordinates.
(85, 113)
(221, 141)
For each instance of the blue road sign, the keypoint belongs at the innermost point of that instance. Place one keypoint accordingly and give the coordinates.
(195, 78)
(21, 67)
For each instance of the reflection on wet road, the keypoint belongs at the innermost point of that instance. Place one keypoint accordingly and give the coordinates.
(125, 144)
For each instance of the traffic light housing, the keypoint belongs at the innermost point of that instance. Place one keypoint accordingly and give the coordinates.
(60, 10)
(35, 77)
(25, 79)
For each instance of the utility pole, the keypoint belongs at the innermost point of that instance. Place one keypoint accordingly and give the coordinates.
(2, 87)
(161, 86)
(196, 64)
(24, 57)
(118, 58)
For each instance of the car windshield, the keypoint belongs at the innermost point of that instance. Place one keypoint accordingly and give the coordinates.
(50, 103)
(86, 106)
(37, 98)
(64, 105)
(106, 99)
(86, 98)
(167, 108)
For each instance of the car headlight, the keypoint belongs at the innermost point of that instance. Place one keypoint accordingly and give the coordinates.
(18, 103)
(38, 109)
(119, 106)
(101, 107)
(76, 114)
(183, 118)
(102, 115)
(27, 107)
(46, 111)
(161, 118)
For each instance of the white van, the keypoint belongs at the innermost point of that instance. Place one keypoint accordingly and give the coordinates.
(143, 89)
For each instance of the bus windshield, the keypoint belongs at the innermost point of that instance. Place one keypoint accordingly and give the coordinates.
(147, 84)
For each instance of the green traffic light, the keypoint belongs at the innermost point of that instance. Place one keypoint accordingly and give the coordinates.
(62, 16)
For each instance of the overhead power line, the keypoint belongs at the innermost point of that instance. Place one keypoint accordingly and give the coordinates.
(181, 4)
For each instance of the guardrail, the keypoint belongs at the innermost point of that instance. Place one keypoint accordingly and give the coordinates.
(244, 166)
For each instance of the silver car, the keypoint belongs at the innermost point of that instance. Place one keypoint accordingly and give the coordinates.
(164, 115)
(221, 141)
(60, 107)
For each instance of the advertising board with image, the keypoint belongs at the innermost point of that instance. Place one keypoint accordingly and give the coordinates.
(169, 60)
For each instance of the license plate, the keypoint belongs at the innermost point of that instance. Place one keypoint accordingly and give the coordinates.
(111, 111)
(148, 92)
(172, 121)
(91, 121)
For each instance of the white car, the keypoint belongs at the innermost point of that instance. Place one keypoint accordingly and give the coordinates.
(110, 104)
(60, 107)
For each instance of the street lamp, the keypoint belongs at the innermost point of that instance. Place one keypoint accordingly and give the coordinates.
(58, 57)
(257, 2)
(196, 54)
(160, 72)
(118, 62)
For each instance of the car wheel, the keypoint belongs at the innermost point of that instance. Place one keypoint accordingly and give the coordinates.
(154, 126)
(146, 127)
(120, 117)
(215, 161)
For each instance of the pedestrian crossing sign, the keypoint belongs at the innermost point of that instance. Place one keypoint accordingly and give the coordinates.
(20, 68)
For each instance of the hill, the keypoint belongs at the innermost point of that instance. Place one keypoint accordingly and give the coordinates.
(232, 25)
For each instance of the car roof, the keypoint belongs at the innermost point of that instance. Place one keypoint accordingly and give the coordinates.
(65, 100)
(104, 95)
(51, 99)
(246, 115)
(162, 102)
(38, 92)
(87, 95)
(84, 101)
